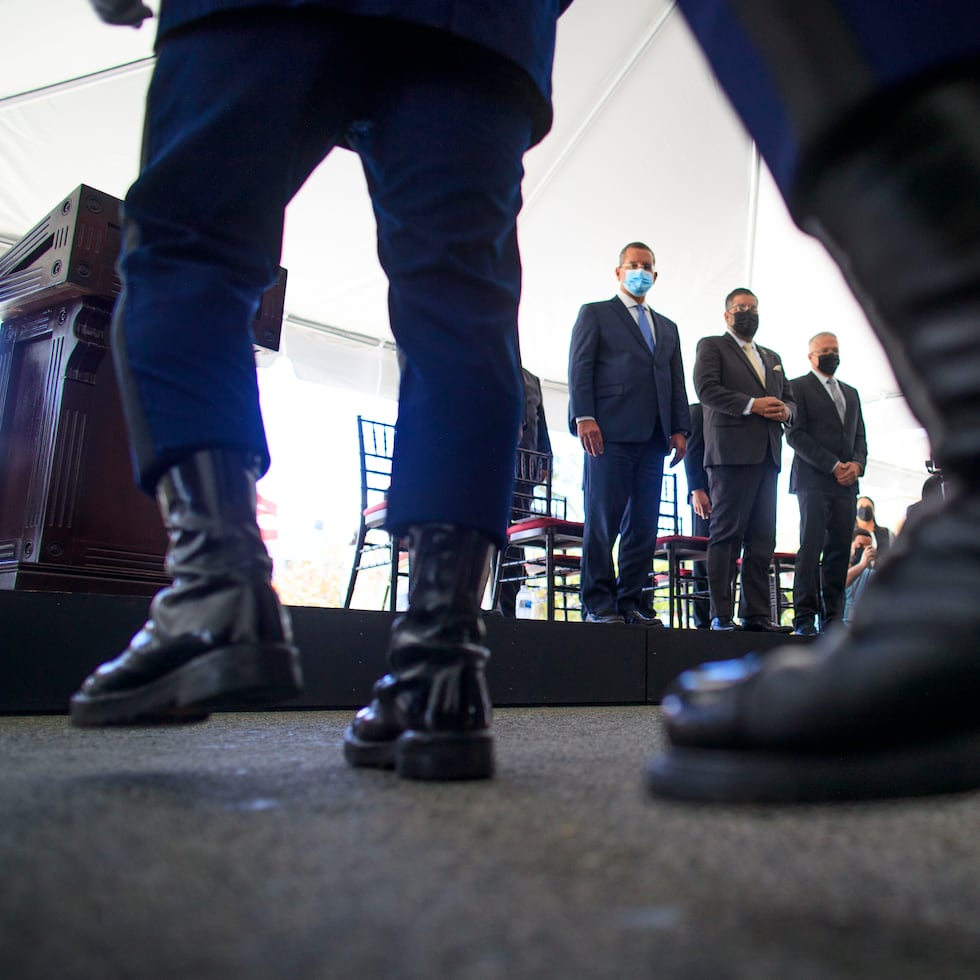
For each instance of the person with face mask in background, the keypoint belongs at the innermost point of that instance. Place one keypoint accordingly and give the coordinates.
(880, 536)
(628, 405)
(831, 453)
(861, 567)
(747, 400)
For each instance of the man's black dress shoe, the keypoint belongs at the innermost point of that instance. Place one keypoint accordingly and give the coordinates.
(641, 617)
(764, 626)
(724, 625)
(604, 618)
(807, 629)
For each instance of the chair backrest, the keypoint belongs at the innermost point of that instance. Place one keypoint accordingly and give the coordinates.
(532, 486)
(669, 521)
(376, 441)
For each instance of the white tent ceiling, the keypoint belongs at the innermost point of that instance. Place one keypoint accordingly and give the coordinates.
(644, 146)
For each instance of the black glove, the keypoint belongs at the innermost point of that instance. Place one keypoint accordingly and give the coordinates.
(130, 12)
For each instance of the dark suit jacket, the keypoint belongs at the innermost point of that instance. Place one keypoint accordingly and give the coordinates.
(613, 377)
(821, 439)
(534, 427)
(697, 479)
(725, 381)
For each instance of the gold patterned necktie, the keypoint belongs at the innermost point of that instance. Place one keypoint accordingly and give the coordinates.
(753, 355)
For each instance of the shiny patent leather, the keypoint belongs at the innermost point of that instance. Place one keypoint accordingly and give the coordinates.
(430, 716)
(218, 635)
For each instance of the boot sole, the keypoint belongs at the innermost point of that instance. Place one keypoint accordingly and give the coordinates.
(368, 755)
(230, 677)
(442, 756)
(425, 756)
(949, 764)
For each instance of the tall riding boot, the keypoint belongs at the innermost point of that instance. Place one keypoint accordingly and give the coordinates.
(889, 707)
(430, 715)
(218, 636)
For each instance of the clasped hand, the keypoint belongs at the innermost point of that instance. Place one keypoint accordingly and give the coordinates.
(771, 408)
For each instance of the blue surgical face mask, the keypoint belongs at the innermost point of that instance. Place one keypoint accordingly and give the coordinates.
(638, 281)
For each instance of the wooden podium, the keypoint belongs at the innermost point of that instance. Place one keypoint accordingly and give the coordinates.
(71, 516)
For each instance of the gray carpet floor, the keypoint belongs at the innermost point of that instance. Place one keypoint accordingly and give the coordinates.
(245, 848)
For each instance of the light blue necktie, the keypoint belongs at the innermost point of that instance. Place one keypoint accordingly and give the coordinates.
(644, 325)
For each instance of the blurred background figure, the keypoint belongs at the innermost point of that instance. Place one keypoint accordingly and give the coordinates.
(831, 451)
(860, 570)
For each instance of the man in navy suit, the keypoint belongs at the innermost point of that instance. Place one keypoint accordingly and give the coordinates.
(746, 399)
(440, 101)
(628, 406)
(831, 454)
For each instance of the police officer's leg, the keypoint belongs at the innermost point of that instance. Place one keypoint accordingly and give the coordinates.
(240, 109)
(875, 150)
(443, 160)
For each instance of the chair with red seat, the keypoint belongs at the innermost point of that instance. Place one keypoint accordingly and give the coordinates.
(674, 558)
(544, 547)
(679, 552)
(783, 565)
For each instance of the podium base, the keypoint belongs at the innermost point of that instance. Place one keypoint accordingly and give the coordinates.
(29, 577)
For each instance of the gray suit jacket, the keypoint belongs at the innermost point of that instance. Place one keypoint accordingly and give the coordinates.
(821, 439)
(725, 381)
(613, 377)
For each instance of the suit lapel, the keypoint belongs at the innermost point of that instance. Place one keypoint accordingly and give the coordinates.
(626, 315)
(740, 352)
(769, 363)
(850, 401)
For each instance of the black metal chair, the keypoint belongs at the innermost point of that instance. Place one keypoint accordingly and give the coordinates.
(374, 546)
(676, 554)
(783, 565)
(544, 547)
(674, 558)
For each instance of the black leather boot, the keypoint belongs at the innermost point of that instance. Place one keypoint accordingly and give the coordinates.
(430, 715)
(217, 637)
(889, 707)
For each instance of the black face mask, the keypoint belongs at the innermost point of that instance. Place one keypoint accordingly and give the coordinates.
(828, 363)
(865, 513)
(746, 324)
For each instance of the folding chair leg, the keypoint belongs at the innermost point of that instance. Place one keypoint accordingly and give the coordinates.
(358, 551)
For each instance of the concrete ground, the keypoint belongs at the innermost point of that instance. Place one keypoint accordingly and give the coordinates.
(244, 847)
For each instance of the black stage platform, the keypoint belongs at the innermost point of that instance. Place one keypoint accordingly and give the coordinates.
(50, 641)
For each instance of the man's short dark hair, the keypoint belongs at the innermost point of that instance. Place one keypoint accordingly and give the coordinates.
(735, 292)
(626, 248)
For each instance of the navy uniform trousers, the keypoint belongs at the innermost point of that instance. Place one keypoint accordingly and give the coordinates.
(240, 111)
(792, 70)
